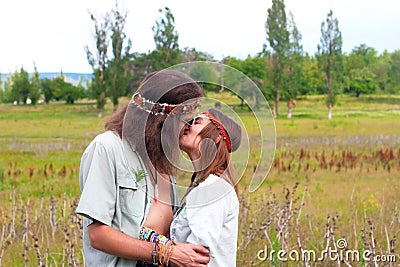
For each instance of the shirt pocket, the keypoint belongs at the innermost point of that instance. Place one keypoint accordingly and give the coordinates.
(132, 197)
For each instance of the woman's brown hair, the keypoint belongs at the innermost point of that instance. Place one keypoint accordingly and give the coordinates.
(220, 164)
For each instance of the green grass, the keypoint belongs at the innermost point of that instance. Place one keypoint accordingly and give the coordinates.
(41, 146)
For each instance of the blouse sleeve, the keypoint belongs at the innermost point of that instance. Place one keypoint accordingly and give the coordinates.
(205, 219)
(97, 179)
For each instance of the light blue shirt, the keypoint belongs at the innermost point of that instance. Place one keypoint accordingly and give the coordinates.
(112, 193)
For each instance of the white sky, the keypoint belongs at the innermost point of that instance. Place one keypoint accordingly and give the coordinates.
(53, 33)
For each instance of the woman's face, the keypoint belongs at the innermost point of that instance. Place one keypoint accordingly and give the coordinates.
(189, 139)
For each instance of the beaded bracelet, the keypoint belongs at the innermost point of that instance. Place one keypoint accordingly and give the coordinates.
(159, 238)
(163, 246)
(145, 233)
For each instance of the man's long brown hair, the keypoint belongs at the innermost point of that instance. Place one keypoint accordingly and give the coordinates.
(134, 124)
(116, 120)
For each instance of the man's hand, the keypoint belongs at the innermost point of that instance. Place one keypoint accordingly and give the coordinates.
(189, 255)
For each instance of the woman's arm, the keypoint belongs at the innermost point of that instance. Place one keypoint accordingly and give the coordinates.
(160, 215)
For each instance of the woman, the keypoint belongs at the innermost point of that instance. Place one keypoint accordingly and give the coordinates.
(209, 212)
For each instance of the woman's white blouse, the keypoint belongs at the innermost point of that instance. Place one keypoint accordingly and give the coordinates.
(210, 218)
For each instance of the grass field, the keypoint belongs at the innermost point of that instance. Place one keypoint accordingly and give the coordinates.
(329, 180)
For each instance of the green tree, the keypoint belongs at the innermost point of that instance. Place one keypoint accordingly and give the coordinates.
(205, 75)
(381, 70)
(98, 61)
(1, 90)
(118, 66)
(394, 72)
(70, 93)
(278, 39)
(59, 89)
(360, 64)
(139, 66)
(35, 86)
(166, 40)
(254, 68)
(46, 89)
(313, 81)
(9, 95)
(330, 58)
(191, 54)
(20, 86)
(362, 81)
(294, 65)
(367, 54)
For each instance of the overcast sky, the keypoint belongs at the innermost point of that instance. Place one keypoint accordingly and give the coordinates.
(53, 33)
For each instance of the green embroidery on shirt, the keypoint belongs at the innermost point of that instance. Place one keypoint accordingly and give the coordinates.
(140, 174)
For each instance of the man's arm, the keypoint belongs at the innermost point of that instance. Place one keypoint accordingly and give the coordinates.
(104, 238)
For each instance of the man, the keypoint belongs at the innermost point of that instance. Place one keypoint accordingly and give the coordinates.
(119, 170)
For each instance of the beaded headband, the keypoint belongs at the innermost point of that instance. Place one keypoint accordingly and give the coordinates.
(221, 129)
(163, 108)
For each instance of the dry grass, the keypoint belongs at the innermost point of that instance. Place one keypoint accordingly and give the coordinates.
(329, 180)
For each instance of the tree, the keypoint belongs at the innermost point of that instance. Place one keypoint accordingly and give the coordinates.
(9, 95)
(394, 72)
(118, 67)
(98, 61)
(313, 79)
(294, 66)
(70, 93)
(381, 70)
(205, 75)
(254, 68)
(58, 89)
(1, 90)
(46, 89)
(35, 86)
(140, 65)
(362, 81)
(278, 39)
(330, 58)
(368, 55)
(190, 54)
(21, 85)
(360, 77)
(166, 40)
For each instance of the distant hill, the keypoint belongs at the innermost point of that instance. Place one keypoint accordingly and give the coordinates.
(70, 77)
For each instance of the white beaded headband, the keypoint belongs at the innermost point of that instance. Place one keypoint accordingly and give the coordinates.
(156, 108)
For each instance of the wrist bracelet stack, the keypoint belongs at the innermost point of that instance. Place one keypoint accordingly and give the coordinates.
(163, 246)
(148, 234)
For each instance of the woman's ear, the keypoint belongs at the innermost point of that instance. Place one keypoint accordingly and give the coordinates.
(218, 139)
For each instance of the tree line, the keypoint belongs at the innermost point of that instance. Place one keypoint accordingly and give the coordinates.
(23, 88)
(282, 70)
